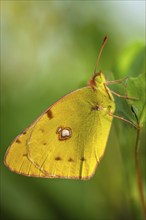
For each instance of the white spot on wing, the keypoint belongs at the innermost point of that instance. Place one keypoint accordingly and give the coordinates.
(65, 133)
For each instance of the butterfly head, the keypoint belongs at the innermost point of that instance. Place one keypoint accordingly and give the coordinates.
(97, 80)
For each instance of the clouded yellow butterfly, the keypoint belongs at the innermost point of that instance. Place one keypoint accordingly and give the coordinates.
(69, 138)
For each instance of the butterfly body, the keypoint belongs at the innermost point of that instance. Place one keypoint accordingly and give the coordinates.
(68, 139)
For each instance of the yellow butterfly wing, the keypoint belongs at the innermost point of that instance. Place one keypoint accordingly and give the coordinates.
(68, 140)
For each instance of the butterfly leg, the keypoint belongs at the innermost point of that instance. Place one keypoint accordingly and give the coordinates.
(123, 96)
(123, 119)
(115, 116)
(120, 96)
(116, 81)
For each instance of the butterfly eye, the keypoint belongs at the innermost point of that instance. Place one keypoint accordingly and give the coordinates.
(99, 79)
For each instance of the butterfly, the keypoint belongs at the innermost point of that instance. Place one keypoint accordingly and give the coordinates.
(68, 140)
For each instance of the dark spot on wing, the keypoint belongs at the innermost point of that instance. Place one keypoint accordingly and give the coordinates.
(18, 141)
(60, 131)
(49, 114)
(42, 130)
(82, 159)
(70, 160)
(97, 108)
(58, 158)
(44, 143)
(24, 132)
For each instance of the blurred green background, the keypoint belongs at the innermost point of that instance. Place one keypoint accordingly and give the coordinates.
(49, 48)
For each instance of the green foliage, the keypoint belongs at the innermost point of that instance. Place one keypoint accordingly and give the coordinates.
(136, 87)
(131, 64)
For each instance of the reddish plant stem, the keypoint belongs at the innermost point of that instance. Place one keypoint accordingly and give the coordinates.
(138, 171)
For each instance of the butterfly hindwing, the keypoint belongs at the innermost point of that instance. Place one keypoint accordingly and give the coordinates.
(66, 141)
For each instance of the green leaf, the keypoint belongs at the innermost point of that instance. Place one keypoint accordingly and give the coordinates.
(136, 87)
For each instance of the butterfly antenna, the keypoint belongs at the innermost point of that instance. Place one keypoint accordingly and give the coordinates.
(100, 52)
